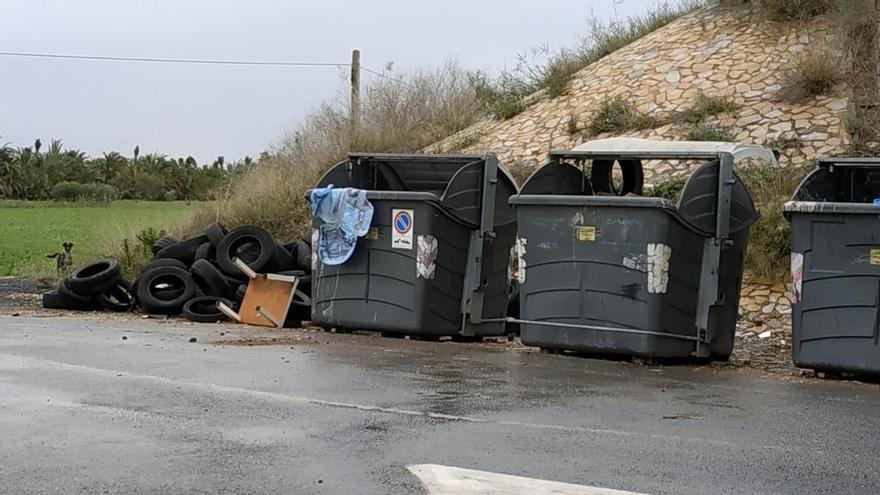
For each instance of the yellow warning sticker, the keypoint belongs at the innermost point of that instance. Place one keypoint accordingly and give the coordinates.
(585, 233)
(875, 256)
(372, 234)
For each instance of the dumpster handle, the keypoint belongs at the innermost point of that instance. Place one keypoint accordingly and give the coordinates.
(594, 327)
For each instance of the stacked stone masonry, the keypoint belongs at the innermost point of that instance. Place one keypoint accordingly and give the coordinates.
(716, 53)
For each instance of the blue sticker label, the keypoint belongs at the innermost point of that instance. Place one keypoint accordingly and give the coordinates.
(402, 229)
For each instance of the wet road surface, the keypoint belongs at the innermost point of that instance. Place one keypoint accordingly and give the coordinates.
(83, 410)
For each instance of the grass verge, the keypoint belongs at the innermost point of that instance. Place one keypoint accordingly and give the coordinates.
(30, 230)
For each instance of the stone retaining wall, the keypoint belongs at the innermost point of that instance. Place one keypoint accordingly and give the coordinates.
(714, 52)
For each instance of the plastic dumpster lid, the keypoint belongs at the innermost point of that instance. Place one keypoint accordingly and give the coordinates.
(454, 181)
(848, 162)
(672, 150)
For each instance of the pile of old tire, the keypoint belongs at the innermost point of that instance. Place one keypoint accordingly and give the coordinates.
(191, 276)
(93, 287)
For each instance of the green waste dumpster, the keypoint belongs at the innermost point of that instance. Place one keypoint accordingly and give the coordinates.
(835, 267)
(619, 274)
(435, 261)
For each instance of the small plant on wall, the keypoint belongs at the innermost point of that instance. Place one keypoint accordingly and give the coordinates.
(618, 115)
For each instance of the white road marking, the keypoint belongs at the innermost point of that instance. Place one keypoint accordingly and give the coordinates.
(12, 361)
(447, 480)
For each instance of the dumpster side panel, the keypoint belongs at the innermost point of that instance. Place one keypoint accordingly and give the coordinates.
(379, 287)
(837, 300)
(495, 275)
(722, 318)
(619, 267)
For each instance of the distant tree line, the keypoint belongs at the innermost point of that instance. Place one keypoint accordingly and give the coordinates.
(35, 173)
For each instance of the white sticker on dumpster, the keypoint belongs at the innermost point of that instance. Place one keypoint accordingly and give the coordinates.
(658, 268)
(402, 229)
(426, 257)
(797, 276)
(315, 239)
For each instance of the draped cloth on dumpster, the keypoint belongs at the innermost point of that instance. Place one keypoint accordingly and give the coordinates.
(345, 215)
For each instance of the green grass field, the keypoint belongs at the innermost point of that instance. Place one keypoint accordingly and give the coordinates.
(29, 230)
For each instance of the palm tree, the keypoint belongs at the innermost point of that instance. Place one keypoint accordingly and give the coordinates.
(109, 166)
(134, 160)
(10, 181)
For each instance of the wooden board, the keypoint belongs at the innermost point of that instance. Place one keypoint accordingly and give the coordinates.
(273, 296)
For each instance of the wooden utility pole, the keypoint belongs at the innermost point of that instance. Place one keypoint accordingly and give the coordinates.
(355, 93)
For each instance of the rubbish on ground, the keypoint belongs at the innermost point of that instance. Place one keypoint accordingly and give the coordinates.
(765, 334)
(267, 299)
(188, 277)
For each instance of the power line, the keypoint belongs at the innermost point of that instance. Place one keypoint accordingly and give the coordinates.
(174, 60)
(267, 63)
(382, 75)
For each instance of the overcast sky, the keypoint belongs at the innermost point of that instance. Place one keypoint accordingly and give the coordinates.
(206, 110)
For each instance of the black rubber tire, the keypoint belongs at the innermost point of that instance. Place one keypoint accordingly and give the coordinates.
(282, 259)
(305, 280)
(215, 233)
(169, 293)
(118, 299)
(205, 252)
(164, 262)
(154, 301)
(210, 280)
(300, 310)
(302, 255)
(72, 300)
(305, 284)
(633, 177)
(236, 244)
(162, 243)
(94, 278)
(203, 309)
(239, 292)
(184, 251)
(155, 264)
(53, 300)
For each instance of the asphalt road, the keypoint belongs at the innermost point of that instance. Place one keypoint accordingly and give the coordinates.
(84, 410)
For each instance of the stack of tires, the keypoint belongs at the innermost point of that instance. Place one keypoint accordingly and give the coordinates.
(93, 287)
(191, 276)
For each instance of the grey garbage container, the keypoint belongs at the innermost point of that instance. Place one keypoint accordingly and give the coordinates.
(630, 275)
(835, 267)
(435, 262)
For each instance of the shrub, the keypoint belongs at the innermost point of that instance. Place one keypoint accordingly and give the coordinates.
(787, 9)
(92, 192)
(502, 99)
(707, 106)
(811, 74)
(767, 256)
(709, 132)
(667, 189)
(149, 187)
(616, 115)
(67, 191)
(147, 237)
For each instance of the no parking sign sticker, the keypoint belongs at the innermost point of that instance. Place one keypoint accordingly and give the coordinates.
(402, 229)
